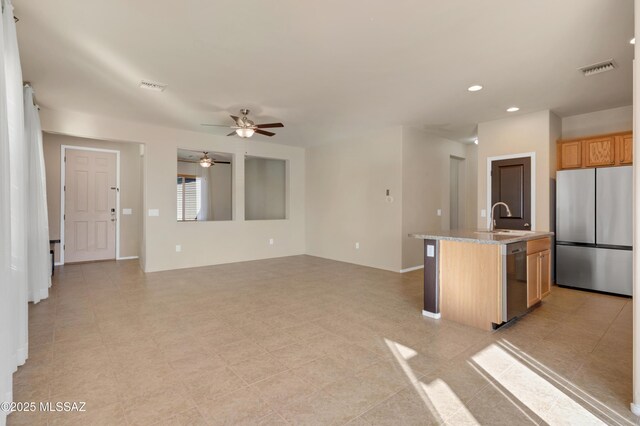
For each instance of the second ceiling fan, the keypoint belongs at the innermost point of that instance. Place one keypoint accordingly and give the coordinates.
(245, 128)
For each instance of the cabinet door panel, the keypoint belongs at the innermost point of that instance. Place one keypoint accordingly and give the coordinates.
(624, 145)
(545, 273)
(600, 151)
(570, 155)
(533, 279)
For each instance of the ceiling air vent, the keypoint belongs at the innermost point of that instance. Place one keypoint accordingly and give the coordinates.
(150, 85)
(592, 69)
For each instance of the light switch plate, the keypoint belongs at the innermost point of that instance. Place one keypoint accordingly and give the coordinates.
(357, 246)
(126, 211)
(271, 241)
(178, 248)
(439, 212)
(154, 212)
(483, 213)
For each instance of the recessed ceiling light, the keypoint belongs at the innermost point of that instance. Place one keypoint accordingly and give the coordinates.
(513, 109)
(632, 41)
(474, 88)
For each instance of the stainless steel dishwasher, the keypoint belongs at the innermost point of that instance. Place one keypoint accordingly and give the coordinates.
(514, 280)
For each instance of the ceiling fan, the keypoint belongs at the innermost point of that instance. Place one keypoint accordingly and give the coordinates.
(245, 128)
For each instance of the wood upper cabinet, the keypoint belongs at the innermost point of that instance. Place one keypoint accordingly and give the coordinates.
(615, 149)
(600, 152)
(624, 149)
(570, 155)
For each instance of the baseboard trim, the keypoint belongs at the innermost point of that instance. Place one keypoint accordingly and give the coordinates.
(127, 258)
(58, 264)
(21, 356)
(414, 268)
(635, 409)
(431, 314)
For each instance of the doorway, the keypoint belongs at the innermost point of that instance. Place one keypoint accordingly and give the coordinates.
(456, 192)
(511, 181)
(89, 204)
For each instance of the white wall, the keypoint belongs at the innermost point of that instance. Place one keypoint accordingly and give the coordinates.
(347, 203)
(426, 188)
(234, 241)
(521, 134)
(346, 200)
(597, 123)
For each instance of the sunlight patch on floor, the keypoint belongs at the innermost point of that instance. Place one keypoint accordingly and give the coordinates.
(568, 387)
(533, 391)
(437, 396)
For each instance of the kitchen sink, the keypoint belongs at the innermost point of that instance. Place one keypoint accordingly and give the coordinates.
(507, 232)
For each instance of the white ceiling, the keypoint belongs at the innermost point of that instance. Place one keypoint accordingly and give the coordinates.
(325, 68)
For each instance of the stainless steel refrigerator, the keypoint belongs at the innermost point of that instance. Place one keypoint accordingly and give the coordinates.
(594, 228)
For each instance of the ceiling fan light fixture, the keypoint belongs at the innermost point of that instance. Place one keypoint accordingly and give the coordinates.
(245, 132)
(205, 161)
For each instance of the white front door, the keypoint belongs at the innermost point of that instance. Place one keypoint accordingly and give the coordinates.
(90, 205)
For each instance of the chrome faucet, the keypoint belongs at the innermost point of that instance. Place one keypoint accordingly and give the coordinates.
(493, 221)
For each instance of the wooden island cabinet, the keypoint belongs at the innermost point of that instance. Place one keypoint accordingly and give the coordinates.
(483, 278)
(614, 149)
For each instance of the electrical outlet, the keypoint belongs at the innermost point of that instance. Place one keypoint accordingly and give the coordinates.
(439, 212)
(154, 212)
(271, 241)
(357, 246)
(178, 248)
(126, 211)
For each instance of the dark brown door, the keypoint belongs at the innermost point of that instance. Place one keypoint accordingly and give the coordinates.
(511, 184)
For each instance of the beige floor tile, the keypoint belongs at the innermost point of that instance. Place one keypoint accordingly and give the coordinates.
(212, 384)
(322, 372)
(258, 368)
(240, 407)
(318, 409)
(157, 406)
(403, 408)
(296, 355)
(111, 414)
(283, 389)
(191, 417)
(239, 351)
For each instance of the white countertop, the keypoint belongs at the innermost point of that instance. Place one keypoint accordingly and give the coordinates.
(481, 236)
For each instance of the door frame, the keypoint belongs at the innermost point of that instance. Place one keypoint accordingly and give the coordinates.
(63, 153)
(532, 156)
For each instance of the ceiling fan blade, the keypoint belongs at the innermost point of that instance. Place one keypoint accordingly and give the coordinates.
(232, 133)
(269, 125)
(264, 132)
(214, 125)
(236, 119)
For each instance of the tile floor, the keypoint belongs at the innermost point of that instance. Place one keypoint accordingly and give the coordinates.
(303, 340)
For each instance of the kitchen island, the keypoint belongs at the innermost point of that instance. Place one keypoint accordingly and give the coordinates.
(484, 278)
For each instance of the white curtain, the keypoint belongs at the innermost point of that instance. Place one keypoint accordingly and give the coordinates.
(18, 169)
(13, 203)
(7, 294)
(38, 258)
